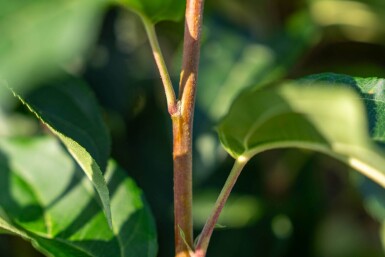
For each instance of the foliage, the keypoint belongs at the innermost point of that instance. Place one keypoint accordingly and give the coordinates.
(48, 201)
(61, 191)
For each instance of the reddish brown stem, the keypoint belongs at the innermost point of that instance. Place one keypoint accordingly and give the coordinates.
(191, 53)
(182, 185)
(208, 229)
(182, 129)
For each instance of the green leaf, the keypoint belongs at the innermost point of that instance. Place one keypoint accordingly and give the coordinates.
(156, 10)
(231, 61)
(331, 120)
(371, 91)
(71, 112)
(47, 199)
(39, 37)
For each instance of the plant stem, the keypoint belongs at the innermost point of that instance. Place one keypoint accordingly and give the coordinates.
(207, 231)
(158, 56)
(182, 156)
(182, 113)
(183, 129)
(191, 53)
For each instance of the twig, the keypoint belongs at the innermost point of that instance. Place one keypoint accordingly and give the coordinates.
(158, 56)
(207, 231)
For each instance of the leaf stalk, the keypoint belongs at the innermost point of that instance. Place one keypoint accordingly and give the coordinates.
(204, 239)
(159, 60)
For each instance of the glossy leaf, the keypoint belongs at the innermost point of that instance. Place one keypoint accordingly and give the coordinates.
(70, 111)
(47, 199)
(156, 10)
(331, 120)
(39, 37)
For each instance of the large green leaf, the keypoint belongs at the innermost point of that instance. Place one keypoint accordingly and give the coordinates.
(328, 119)
(71, 112)
(156, 10)
(46, 199)
(371, 91)
(39, 37)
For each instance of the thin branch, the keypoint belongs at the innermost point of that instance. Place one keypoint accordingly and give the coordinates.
(207, 231)
(158, 56)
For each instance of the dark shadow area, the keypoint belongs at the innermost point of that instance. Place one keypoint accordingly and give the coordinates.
(13, 246)
(308, 189)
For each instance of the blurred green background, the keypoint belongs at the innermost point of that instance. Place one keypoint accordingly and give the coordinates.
(286, 203)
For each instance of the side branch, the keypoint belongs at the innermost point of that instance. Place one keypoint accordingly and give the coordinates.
(208, 229)
(158, 56)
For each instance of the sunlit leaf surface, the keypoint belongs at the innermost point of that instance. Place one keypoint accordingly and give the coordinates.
(320, 117)
(71, 112)
(47, 199)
